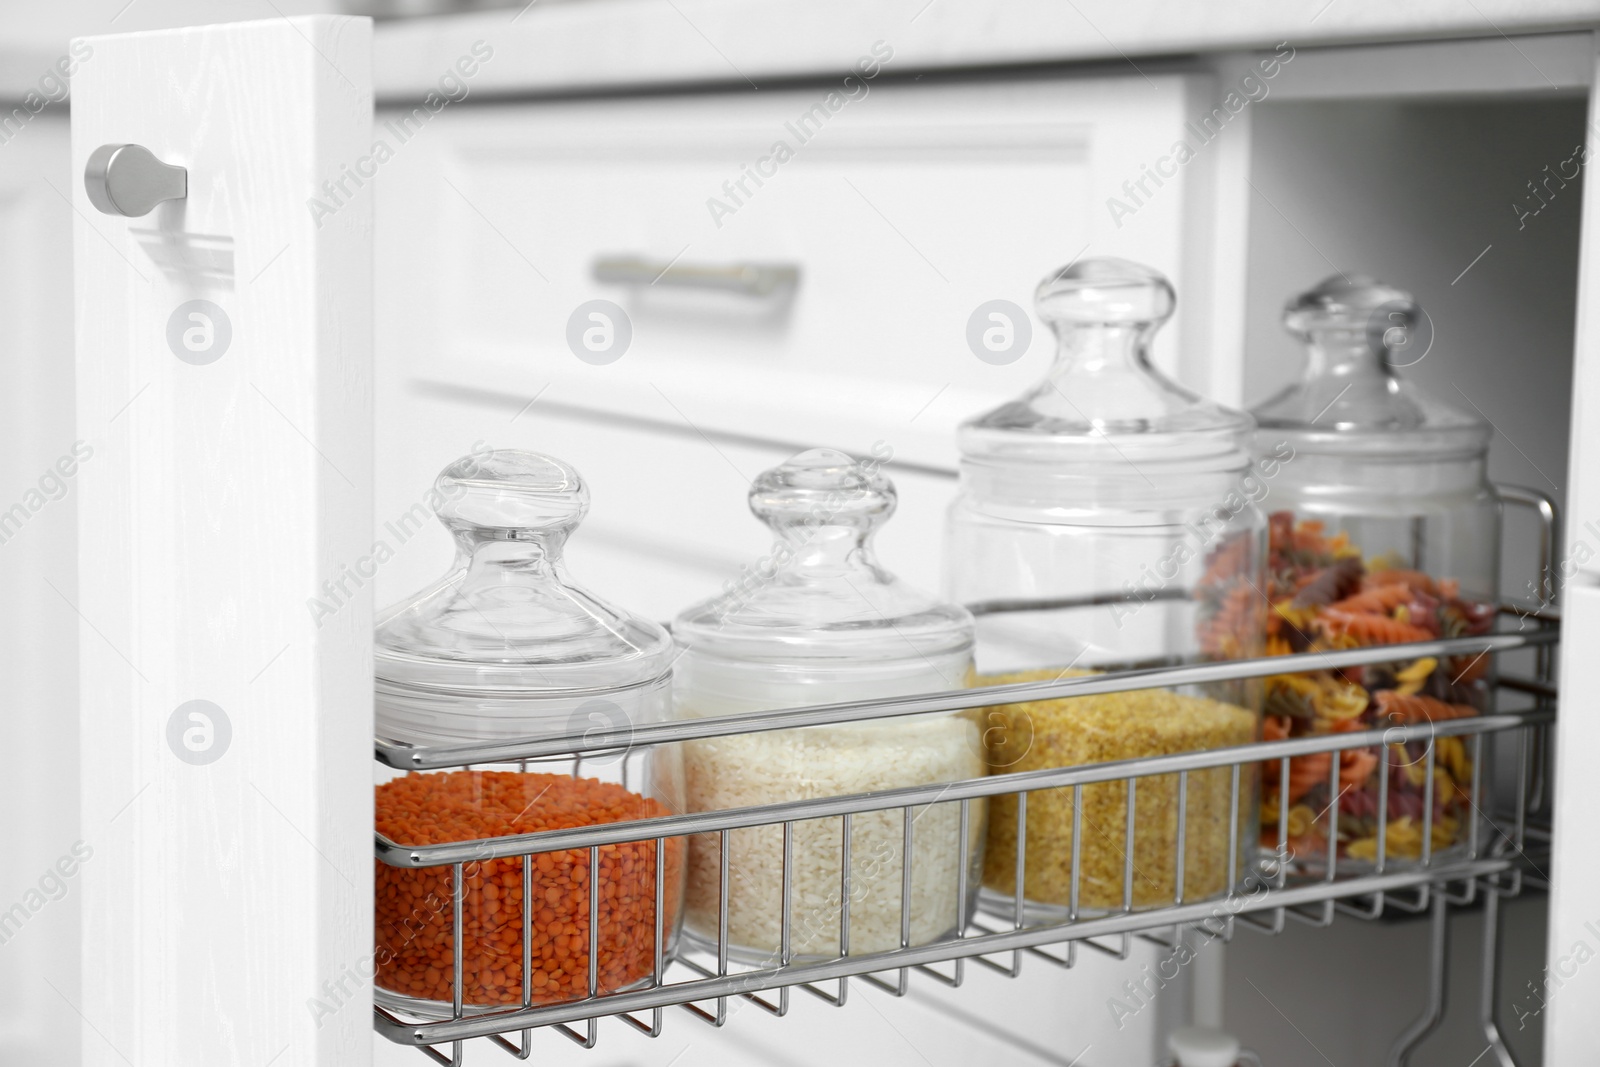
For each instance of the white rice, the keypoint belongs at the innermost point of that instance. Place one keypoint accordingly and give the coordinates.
(767, 768)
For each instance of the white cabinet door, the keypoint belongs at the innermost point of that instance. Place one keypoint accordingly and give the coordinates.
(223, 345)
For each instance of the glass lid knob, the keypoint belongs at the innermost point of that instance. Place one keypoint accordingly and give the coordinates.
(1386, 315)
(1341, 296)
(822, 488)
(511, 495)
(1105, 291)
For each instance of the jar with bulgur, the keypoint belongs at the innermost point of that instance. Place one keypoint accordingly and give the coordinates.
(1107, 519)
(506, 647)
(1099, 729)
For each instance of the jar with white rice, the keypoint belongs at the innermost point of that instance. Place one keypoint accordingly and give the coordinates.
(824, 623)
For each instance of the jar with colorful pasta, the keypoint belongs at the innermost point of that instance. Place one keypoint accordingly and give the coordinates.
(1385, 530)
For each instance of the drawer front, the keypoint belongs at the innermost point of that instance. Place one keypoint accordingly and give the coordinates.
(902, 208)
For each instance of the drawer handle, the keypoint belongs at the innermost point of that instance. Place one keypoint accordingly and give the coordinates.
(748, 279)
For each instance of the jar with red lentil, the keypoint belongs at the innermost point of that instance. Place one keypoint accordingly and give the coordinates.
(504, 647)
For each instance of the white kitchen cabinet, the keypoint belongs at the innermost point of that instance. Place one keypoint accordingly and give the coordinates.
(905, 210)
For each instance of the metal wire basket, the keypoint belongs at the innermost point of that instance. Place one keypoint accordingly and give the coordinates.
(1494, 861)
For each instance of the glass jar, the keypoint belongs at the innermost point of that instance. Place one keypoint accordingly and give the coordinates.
(505, 646)
(1384, 529)
(826, 624)
(1107, 519)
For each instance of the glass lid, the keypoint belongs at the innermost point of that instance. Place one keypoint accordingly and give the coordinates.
(827, 598)
(1103, 401)
(1356, 331)
(506, 616)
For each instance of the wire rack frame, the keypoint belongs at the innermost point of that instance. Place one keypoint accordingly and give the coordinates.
(1265, 896)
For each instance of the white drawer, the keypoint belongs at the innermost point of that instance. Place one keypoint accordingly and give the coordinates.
(904, 210)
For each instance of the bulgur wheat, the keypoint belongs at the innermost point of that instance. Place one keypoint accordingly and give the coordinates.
(1066, 732)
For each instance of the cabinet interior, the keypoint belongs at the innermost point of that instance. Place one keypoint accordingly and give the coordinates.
(1473, 206)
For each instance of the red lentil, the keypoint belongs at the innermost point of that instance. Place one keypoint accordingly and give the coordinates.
(415, 943)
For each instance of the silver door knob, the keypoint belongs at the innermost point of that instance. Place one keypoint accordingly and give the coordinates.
(127, 179)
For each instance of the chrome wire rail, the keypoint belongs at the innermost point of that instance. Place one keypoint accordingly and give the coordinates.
(415, 758)
(1501, 852)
